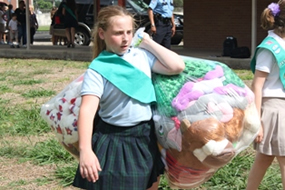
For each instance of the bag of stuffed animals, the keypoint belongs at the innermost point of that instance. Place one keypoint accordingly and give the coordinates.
(61, 114)
(204, 117)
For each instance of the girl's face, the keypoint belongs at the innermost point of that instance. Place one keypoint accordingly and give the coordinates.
(118, 35)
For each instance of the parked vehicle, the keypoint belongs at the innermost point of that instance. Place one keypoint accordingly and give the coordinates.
(86, 20)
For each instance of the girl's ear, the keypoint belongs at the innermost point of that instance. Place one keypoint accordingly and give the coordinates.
(101, 33)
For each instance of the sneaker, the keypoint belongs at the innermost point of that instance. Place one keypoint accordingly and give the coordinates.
(12, 46)
(18, 46)
(24, 45)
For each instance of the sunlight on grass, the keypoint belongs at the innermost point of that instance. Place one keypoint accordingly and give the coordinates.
(244, 74)
(28, 82)
(43, 181)
(4, 89)
(66, 173)
(18, 183)
(38, 93)
(22, 121)
(48, 152)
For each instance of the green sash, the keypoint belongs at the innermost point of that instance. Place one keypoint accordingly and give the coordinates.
(124, 76)
(279, 53)
(70, 11)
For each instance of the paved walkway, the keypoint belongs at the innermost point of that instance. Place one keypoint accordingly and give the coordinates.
(45, 50)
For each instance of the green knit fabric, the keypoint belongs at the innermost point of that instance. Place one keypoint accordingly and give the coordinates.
(167, 87)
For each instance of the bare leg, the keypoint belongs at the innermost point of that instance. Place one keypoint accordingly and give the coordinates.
(72, 31)
(67, 32)
(1, 35)
(258, 170)
(281, 160)
(154, 185)
(4, 38)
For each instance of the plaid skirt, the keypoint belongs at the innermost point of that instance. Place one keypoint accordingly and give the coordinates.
(129, 157)
(273, 119)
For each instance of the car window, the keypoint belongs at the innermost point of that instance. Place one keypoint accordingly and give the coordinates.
(90, 10)
(138, 5)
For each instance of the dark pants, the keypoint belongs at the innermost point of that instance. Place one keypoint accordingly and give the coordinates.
(163, 34)
(32, 33)
(22, 33)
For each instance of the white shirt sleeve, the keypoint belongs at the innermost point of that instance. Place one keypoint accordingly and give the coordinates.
(92, 83)
(264, 60)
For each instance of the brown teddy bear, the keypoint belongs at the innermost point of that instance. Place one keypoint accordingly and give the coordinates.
(207, 145)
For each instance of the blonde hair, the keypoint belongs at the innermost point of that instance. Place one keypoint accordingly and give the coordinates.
(269, 21)
(31, 7)
(104, 21)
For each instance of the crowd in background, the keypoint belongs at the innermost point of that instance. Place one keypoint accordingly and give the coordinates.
(13, 31)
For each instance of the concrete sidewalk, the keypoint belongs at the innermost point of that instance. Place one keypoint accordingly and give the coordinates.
(45, 50)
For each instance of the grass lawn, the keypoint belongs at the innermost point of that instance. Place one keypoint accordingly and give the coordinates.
(30, 156)
(43, 28)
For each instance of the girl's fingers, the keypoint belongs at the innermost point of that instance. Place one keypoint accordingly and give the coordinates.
(91, 174)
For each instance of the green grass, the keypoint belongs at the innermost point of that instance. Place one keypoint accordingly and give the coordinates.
(20, 102)
(38, 93)
(44, 28)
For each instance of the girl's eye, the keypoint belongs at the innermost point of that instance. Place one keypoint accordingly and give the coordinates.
(118, 33)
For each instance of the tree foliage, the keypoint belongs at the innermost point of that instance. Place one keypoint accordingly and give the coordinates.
(43, 4)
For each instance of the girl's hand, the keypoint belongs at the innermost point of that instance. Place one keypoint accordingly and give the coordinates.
(138, 37)
(89, 165)
(259, 137)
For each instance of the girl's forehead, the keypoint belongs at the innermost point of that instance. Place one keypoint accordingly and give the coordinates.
(120, 17)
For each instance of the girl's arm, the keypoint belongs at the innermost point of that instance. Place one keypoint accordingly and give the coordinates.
(168, 62)
(89, 164)
(257, 86)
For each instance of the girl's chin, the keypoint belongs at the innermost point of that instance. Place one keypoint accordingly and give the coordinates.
(123, 51)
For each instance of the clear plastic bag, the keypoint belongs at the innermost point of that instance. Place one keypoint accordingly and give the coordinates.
(204, 117)
(61, 114)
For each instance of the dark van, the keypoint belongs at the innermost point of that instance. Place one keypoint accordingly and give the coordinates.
(86, 20)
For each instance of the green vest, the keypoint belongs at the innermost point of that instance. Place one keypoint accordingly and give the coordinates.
(130, 80)
(279, 53)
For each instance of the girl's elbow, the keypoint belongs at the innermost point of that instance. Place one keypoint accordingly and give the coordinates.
(180, 67)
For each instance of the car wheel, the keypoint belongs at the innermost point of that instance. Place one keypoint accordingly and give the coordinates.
(81, 37)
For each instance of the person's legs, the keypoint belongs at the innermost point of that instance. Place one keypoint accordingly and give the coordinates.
(33, 31)
(158, 36)
(72, 35)
(67, 32)
(1, 36)
(258, 170)
(4, 38)
(2, 30)
(16, 38)
(281, 161)
(166, 42)
(24, 31)
(11, 35)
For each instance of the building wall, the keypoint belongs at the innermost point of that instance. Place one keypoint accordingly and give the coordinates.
(208, 23)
